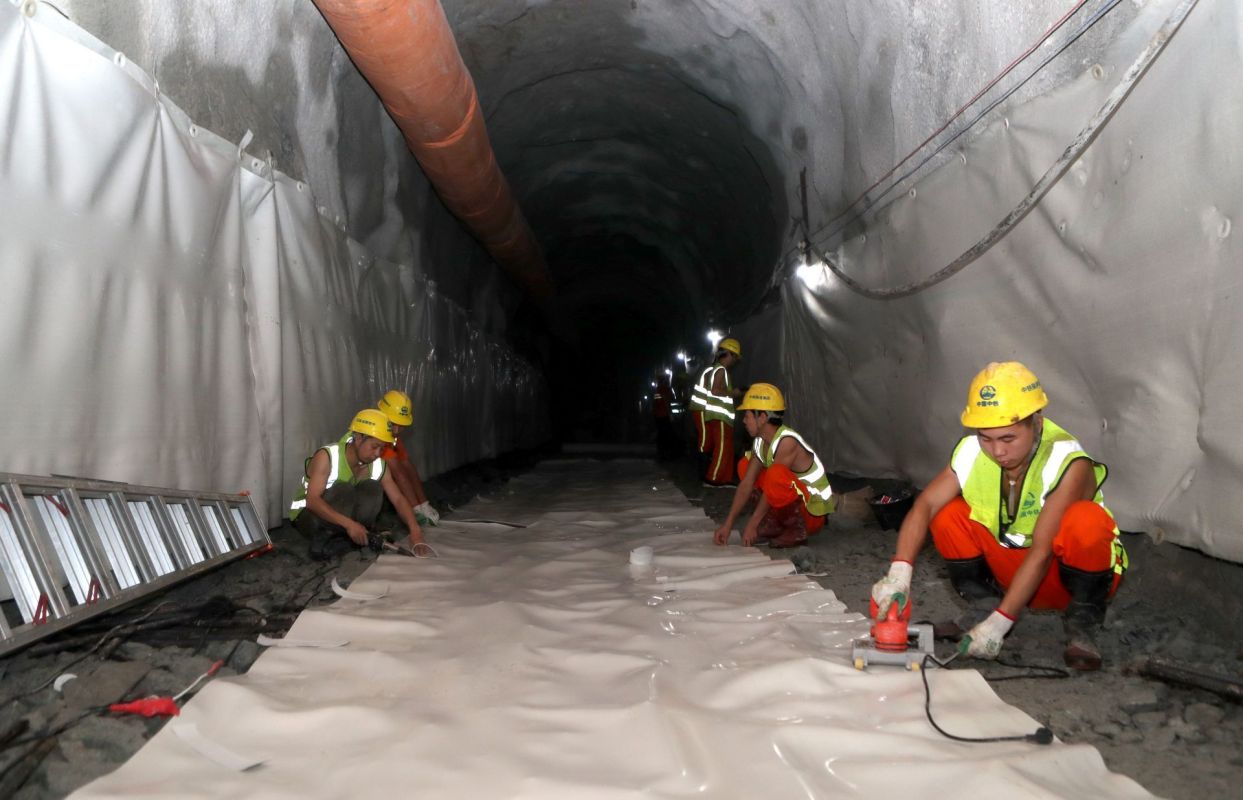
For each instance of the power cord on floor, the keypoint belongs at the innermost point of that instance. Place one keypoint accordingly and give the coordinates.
(1042, 735)
(62, 669)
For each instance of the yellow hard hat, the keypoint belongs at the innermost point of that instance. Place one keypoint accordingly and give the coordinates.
(396, 406)
(372, 422)
(763, 397)
(730, 346)
(1004, 393)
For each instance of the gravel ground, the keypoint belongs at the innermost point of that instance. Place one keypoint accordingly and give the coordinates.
(1175, 604)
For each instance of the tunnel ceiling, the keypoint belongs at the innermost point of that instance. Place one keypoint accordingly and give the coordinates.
(636, 164)
(655, 145)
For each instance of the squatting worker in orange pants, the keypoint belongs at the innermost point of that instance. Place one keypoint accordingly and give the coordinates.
(791, 489)
(1017, 513)
(712, 409)
(396, 406)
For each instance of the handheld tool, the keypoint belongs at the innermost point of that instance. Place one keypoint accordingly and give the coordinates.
(380, 544)
(894, 640)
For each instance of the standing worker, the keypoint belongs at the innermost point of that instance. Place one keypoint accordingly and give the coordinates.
(1018, 510)
(712, 408)
(345, 483)
(396, 406)
(793, 495)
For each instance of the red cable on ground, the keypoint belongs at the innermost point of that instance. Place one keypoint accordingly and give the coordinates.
(1009, 68)
(162, 705)
(147, 707)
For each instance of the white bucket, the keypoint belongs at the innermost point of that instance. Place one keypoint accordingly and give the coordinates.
(641, 556)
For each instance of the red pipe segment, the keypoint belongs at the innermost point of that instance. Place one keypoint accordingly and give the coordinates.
(407, 52)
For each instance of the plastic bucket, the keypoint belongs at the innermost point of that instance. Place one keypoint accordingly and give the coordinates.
(890, 509)
(641, 556)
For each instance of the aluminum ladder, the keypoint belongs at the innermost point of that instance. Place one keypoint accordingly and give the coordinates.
(73, 548)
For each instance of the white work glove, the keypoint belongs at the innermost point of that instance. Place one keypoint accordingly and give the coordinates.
(984, 640)
(426, 514)
(897, 582)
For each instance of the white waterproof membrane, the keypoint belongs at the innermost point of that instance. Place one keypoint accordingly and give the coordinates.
(537, 662)
(1119, 289)
(176, 312)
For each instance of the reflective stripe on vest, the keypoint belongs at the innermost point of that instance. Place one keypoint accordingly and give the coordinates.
(713, 406)
(980, 478)
(819, 497)
(336, 465)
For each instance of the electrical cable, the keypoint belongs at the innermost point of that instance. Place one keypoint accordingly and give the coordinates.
(1006, 71)
(1042, 735)
(1074, 37)
(149, 706)
(111, 631)
(1034, 671)
(1055, 172)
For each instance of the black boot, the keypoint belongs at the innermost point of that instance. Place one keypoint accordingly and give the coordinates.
(974, 582)
(1089, 593)
(972, 578)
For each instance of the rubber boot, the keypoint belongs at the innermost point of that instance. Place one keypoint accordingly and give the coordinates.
(1089, 594)
(769, 528)
(974, 582)
(793, 529)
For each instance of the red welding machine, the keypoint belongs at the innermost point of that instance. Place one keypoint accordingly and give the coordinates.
(893, 640)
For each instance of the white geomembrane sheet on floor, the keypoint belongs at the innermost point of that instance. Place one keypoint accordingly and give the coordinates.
(537, 663)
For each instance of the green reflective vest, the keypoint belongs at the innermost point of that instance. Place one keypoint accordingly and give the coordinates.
(338, 470)
(819, 495)
(713, 406)
(980, 479)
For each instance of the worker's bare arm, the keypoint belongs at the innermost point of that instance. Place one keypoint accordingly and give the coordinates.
(405, 510)
(741, 494)
(914, 531)
(1078, 483)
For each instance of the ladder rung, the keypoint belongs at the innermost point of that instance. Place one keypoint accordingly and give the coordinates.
(71, 548)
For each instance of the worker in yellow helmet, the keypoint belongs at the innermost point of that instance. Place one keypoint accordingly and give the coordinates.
(344, 485)
(396, 406)
(712, 410)
(791, 488)
(1019, 517)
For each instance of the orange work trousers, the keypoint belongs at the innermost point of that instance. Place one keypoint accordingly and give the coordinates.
(719, 436)
(782, 489)
(1084, 541)
(701, 433)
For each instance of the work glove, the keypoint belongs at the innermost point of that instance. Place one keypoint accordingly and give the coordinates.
(427, 515)
(888, 588)
(984, 640)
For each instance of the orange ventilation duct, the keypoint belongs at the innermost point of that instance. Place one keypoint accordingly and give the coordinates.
(407, 52)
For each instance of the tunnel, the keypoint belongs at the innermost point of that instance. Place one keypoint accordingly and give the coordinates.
(871, 200)
(225, 227)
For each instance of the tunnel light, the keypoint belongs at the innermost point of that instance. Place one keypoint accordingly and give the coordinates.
(714, 337)
(813, 274)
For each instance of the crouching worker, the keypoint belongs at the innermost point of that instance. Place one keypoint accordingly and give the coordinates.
(1019, 518)
(344, 486)
(396, 406)
(791, 489)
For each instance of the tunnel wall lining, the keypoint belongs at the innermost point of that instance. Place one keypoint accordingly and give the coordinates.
(178, 313)
(1119, 290)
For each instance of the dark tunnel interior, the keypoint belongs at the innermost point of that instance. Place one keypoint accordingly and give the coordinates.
(661, 214)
